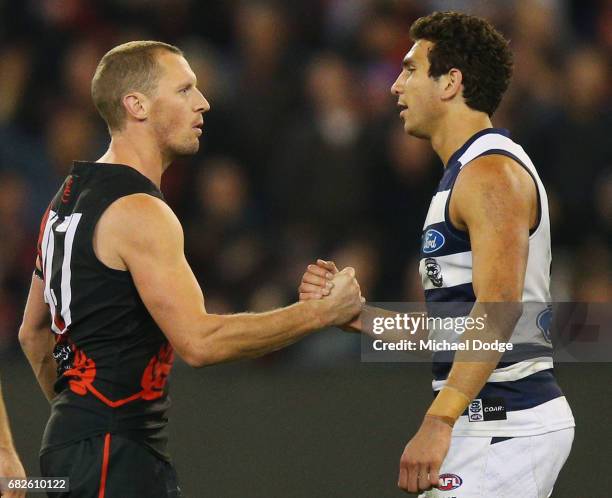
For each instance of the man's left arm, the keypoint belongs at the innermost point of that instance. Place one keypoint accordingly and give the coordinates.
(495, 201)
(36, 338)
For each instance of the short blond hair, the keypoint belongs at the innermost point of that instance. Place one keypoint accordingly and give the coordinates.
(129, 67)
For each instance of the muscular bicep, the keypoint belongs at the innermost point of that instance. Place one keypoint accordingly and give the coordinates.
(149, 240)
(494, 198)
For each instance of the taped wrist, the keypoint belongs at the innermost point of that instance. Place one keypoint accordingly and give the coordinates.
(448, 406)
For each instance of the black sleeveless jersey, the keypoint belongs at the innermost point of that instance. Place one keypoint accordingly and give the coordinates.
(113, 361)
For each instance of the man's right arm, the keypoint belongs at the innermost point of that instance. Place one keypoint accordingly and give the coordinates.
(314, 285)
(148, 238)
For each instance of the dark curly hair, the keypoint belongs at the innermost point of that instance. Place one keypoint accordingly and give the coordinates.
(473, 46)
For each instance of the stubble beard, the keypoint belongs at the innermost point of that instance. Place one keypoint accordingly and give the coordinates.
(186, 148)
(173, 146)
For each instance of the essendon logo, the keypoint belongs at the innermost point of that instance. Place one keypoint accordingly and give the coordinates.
(448, 482)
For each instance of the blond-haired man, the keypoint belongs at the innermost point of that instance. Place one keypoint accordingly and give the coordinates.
(122, 298)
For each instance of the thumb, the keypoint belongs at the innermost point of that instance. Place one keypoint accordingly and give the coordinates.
(350, 271)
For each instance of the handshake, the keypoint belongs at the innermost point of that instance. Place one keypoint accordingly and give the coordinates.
(338, 291)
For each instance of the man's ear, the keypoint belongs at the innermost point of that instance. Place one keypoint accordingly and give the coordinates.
(451, 84)
(136, 105)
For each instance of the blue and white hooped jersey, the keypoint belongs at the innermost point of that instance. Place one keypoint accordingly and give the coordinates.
(521, 396)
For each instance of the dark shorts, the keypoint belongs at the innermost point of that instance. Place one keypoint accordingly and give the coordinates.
(110, 466)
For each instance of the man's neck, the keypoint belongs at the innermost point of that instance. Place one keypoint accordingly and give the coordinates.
(454, 131)
(134, 151)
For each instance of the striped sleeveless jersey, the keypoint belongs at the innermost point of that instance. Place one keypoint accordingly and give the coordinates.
(521, 397)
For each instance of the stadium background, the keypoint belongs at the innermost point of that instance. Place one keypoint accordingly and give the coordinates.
(304, 156)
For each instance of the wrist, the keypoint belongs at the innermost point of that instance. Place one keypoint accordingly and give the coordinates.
(448, 406)
(321, 311)
(439, 419)
(8, 449)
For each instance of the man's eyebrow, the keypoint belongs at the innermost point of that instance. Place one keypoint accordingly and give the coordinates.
(188, 84)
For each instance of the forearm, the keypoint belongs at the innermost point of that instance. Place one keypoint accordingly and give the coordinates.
(38, 348)
(471, 370)
(6, 440)
(390, 325)
(246, 335)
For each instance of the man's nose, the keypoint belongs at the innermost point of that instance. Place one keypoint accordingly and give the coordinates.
(395, 88)
(203, 104)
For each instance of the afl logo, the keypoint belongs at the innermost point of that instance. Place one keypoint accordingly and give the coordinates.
(448, 482)
(544, 321)
(475, 411)
(432, 241)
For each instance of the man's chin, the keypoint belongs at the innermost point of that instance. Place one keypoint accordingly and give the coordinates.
(188, 149)
(414, 131)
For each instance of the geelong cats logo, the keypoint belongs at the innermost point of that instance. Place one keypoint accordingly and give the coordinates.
(434, 272)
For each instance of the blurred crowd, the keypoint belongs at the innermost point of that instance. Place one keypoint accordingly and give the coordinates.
(303, 153)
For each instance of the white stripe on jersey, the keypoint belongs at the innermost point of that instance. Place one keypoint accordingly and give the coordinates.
(436, 208)
(71, 227)
(513, 372)
(458, 270)
(45, 241)
(494, 141)
(47, 258)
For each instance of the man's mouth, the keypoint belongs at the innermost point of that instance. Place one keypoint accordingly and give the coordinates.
(403, 107)
(198, 128)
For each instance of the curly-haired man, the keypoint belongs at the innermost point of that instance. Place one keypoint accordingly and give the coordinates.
(499, 425)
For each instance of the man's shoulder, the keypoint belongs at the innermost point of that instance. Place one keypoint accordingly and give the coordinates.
(140, 218)
(494, 188)
(494, 172)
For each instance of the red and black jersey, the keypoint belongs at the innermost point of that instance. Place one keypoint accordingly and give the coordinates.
(113, 360)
